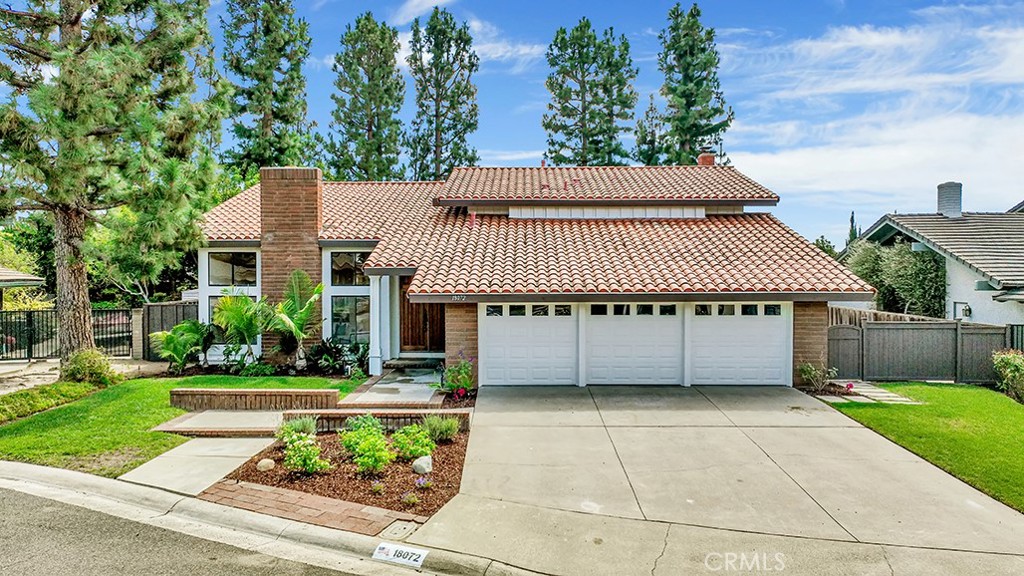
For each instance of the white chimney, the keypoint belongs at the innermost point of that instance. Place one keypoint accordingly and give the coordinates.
(951, 199)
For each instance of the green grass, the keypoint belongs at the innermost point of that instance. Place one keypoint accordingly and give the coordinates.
(974, 433)
(25, 402)
(108, 432)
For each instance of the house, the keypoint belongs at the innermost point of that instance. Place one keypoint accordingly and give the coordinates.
(983, 252)
(574, 276)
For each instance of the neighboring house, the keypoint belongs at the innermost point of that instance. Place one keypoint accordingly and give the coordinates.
(983, 251)
(574, 276)
(14, 279)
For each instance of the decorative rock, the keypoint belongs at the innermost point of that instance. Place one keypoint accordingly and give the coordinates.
(423, 465)
(265, 464)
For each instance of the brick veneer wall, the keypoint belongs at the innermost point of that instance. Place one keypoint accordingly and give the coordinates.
(291, 212)
(810, 335)
(460, 334)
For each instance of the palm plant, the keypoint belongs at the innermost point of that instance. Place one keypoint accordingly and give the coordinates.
(243, 320)
(291, 317)
(179, 346)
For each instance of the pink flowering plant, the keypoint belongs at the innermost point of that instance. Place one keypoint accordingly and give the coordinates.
(458, 378)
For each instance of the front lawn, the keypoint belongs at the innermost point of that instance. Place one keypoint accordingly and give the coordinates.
(108, 432)
(973, 433)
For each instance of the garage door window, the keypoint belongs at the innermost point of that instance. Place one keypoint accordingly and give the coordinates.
(748, 309)
(726, 309)
(645, 309)
(621, 309)
(517, 310)
(667, 310)
(598, 309)
(563, 310)
(493, 310)
(702, 310)
(773, 309)
(539, 310)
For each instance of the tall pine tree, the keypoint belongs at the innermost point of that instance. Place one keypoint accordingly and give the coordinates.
(265, 48)
(696, 115)
(442, 63)
(591, 96)
(649, 130)
(370, 94)
(101, 114)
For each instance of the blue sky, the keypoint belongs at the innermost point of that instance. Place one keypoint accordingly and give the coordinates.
(859, 105)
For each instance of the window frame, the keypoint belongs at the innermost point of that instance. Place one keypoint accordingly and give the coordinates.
(355, 316)
(360, 272)
(209, 267)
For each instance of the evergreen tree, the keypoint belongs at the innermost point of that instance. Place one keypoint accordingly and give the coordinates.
(649, 131)
(696, 115)
(591, 96)
(100, 112)
(442, 63)
(854, 231)
(266, 46)
(826, 246)
(370, 94)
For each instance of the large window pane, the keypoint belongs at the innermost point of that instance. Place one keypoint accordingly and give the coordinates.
(350, 318)
(232, 269)
(347, 269)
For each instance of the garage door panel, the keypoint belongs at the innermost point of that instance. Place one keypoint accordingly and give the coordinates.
(740, 349)
(528, 350)
(634, 349)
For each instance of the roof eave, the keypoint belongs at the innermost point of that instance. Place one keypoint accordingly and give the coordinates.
(469, 297)
(469, 202)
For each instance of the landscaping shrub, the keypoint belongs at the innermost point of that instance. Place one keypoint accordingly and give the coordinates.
(90, 366)
(303, 425)
(336, 357)
(441, 429)
(412, 442)
(458, 378)
(352, 439)
(410, 499)
(369, 449)
(302, 454)
(257, 370)
(817, 375)
(184, 343)
(1009, 365)
(354, 423)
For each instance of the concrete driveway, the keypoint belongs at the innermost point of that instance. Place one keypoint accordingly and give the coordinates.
(624, 480)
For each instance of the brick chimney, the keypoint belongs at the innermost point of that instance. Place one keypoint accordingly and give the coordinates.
(291, 212)
(950, 199)
(706, 159)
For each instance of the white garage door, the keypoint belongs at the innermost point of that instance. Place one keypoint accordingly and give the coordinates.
(634, 343)
(746, 344)
(528, 344)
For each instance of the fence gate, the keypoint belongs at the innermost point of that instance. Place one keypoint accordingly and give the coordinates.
(161, 317)
(844, 351)
(32, 334)
(1017, 336)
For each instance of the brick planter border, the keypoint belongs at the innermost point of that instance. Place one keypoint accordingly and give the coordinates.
(392, 419)
(197, 399)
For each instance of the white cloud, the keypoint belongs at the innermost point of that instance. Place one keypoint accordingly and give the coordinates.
(488, 157)
(411, 9)
(491, 45)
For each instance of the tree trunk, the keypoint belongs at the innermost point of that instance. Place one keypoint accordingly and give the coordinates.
(74, 313)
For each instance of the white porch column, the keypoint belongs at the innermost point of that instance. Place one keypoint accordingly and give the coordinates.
(376, 364)
(385, 318)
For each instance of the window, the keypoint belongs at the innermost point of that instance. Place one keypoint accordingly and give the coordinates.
(347, 269)
(493, 310)
(726, 309)
(232, 269)
(517, 310)
(598, 309)
(539, 310)
(218, 337)
(645, 309)
(620, 309)
(773, 309)
(667, 310)
(563, 310)
(702, 310)
(350, 319)
(748, 309)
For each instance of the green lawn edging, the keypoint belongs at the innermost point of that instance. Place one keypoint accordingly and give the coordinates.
(974, 433)
(108, 432)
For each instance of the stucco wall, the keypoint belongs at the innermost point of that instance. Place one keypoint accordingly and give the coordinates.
(960, 282)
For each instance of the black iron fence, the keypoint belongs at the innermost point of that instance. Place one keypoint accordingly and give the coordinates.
(161, 317)
(32, 334)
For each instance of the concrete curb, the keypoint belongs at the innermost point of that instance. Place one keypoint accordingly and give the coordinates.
(335, 549)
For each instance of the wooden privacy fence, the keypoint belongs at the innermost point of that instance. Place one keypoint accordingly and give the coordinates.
(841, 315)
(162, 316)
(937, 350)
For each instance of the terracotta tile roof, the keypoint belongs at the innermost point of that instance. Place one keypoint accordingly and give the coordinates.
(738, 253)
(352, 211)
(12, 278)
(604, 184)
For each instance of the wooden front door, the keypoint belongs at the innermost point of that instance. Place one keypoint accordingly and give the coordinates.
(422, 325)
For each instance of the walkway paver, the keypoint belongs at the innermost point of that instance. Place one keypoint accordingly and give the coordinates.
(872, 392)
(197, 464)
(224, 423)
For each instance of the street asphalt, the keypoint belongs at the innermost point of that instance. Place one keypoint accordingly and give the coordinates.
(45, 537)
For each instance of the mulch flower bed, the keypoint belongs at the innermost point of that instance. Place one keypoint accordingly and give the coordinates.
(832, 389)
(344, 483)
(469, 401)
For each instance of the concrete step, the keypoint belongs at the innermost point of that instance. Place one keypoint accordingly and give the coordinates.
(399, 363)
